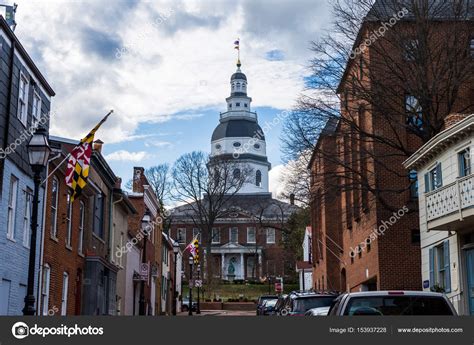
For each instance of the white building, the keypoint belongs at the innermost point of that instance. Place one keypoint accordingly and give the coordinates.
(446, 200)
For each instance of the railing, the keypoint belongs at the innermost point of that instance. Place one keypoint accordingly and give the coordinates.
(239, 113)
(451, 198)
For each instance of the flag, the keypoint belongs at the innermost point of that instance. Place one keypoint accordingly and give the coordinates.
(77, 170)
(237, 44)
(193, 247)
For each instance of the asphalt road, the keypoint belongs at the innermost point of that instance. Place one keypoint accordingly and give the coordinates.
(221, 313)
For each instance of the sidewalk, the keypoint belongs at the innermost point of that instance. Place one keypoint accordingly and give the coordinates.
(220, 313)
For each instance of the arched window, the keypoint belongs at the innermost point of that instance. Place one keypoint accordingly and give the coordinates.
(45, 289)
(238, 86)
(258, 178)
(236, 174)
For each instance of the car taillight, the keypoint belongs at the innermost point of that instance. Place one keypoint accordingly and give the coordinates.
(396, 293)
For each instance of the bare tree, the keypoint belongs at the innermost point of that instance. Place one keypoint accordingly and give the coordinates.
(159, 178)
(206, 185)
(388, 93)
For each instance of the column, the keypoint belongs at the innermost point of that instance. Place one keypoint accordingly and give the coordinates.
(242, 269)
(259, 271)
(223, 265)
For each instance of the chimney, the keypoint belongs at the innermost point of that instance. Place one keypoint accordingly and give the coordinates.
(138, 178)
(292, 199)
(98, 145)
(118, 183)
(452, 119)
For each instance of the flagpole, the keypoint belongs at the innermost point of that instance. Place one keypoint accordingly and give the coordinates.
(67, 156)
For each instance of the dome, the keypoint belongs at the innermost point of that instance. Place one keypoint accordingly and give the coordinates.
(238, 129)
(238, 75)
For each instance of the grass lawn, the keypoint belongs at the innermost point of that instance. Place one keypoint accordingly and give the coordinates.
(249, 292)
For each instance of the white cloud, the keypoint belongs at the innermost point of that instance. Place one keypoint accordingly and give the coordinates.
(275, 180)
(126, 156)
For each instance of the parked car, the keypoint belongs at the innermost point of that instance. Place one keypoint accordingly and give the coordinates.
(262, 299)
(321, 311)
(280, 303)
(268, 307)
(185, 305)
(383, 303)
(298, 303)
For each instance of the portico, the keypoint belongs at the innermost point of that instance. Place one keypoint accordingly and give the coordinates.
(238, 262)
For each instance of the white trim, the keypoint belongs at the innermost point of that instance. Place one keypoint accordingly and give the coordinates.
(274, 236)
(54, 221)
(12, 207)
(64, 293)
(23, 99)
(45, 289)
(33, 76)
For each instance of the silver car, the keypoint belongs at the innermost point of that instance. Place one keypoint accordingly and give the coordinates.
(321, 311)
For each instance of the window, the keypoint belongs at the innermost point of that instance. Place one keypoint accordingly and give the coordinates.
(54, 207)
(464, 159)
(258, 178)
(36, 108)
(256, 146)
(413, 110)
(27, 218)
(440, 275)
(45, 290)
(415, 236)
(245, 105)
(216, 235)
(433, 178)
(99, 215)
(237, 104)
(64, 293)
(22, 99)
(236, 174)
(251, 235)
(196, 232)
(472, 47)
(12, 200)
(230, 105)
(270, 235)
(410, 50)
(82, 211)
(413, 176)
(218, 146)
(68, 220)
(181, 235)
(238, 86)
(234, 235)
(237, 144)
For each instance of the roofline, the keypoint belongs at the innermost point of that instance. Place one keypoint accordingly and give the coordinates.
(11, 35)
(416, 159)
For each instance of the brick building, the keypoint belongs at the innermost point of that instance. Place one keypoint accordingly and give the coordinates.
(25, 99)
(359, 241)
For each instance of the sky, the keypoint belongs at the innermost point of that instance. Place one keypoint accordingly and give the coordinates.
(164, 67)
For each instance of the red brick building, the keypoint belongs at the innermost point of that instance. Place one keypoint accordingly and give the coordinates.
(364, 209)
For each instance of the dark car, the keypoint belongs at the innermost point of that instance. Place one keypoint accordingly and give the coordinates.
(261, 300)
(380, 303)
(298, 303)
(185, 305)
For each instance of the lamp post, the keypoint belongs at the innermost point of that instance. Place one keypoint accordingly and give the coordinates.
(175, 288)
(145, 224)
(191, 263)
(198, 310)
(38, 155)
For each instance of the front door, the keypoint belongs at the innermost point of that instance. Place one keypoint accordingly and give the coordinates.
(470, 278)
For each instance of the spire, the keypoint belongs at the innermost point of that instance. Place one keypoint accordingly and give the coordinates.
(237, 46)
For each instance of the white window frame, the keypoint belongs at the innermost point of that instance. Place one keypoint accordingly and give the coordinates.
(64, 293)
(54, 208)
(216, 239)
(27, 218)
(249, 229)
(230, 234)
(36, 109)
(181, 239)
(12, 207)
(22, 111)
(68, 221)
(45, 289)
(271, 230)
(82, 214)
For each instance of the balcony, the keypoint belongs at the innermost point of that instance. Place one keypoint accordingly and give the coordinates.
(238, 114)
(451, 207)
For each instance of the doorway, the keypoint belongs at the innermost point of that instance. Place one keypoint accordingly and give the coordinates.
(470, 279)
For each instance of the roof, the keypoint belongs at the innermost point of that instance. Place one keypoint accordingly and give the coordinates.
(439, 142)
(11, 35)
(238, 129)
(238, 75)
(244, 206)
(329, 129)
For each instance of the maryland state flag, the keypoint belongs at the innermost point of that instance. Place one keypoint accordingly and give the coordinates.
(77, 170)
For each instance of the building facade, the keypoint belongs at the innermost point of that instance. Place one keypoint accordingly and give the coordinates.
(25, 100)
(445, 179)
(246, 240)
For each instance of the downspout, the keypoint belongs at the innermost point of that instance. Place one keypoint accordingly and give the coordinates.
(8, 110)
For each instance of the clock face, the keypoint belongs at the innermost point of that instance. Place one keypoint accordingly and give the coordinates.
(237, 144)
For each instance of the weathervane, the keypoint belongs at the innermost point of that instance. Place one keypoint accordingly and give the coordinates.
(237, 46)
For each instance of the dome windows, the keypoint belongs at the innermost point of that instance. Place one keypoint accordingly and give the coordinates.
(218, 147)
(237, 144)
(237, 104)
(256, 146)
(258, 178)
(236, 174)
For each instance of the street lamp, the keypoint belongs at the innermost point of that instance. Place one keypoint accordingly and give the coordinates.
(191, 263)
(198, 311)
(145, 224)
(175, 288)
(38, 155)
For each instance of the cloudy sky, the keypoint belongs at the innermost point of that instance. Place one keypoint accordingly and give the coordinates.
(164, 67)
